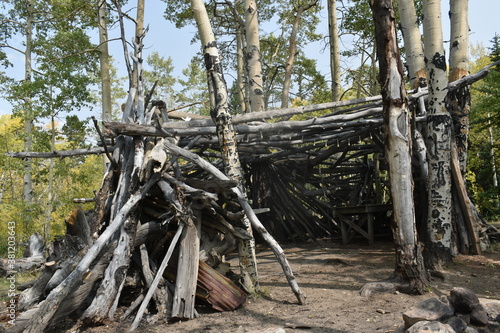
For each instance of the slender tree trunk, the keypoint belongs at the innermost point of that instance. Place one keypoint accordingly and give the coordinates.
(253, 56)
(241, 74)
(28, 112)
(492, 155)
(359, 78)
(106, 104)
(225, 132)
(439, 224)
(413, 42)
(409, 262)
(104, 63)
(459, 67)
(417, 76)
(285, 96)
(139, 30)
(334, 49)
(50, 190)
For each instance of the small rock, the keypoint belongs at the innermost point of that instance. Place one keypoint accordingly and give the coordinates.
(492, 308)
(464, 317)
(458, 324)
(478, 316)
(428, 310)
(470, 330)
(493, 327)
(463, 299)
(430, 327)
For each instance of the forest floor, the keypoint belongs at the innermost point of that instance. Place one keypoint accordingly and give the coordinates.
(331, 276)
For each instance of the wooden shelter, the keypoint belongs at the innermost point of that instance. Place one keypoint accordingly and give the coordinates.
(165, 214)
(300, 172)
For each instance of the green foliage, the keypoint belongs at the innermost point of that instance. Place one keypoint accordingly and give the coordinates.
(73, 178)
(194, 88)
(483, 164)
(161, 71)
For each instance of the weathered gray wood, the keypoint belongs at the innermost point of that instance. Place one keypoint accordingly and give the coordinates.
(465, 203)
(115, 272)
(276, 248)
(410, 269)
(46, 310)
(160, 295)
(158, 277)
(187, 270)
(58, 153)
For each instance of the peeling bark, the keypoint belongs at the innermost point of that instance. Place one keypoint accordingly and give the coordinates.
(410, 274)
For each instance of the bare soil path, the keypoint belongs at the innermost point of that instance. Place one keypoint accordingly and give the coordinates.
(331, 276)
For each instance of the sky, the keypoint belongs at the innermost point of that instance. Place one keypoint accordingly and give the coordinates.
(163, 37)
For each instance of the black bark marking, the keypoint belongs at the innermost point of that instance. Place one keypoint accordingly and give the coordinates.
(441, 179)
(439, 61)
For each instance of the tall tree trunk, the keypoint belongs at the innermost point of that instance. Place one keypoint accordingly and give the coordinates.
(285, 96)
(28, 112)
(104, 63)
(410, 270)
(459, 107)
(412, 41)
(334, 49)
(417, 76)
(139, 30)
(105, 68)
(50, 189)
(359, 76)
(439, 224)
(459, 67)
(253, 56)
(242, 74)
(225, 131)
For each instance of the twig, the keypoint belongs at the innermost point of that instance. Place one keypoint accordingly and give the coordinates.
(186, 106)
(106, 151)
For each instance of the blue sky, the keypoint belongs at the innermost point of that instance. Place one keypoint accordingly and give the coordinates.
(165, 39)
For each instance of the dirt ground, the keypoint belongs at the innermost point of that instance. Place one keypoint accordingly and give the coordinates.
(331, 277)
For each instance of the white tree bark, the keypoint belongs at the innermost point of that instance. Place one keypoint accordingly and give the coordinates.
(28, 117)
(334, 49)
(226, 134)
(410, 272)
(104, 62)
(438, 249)
(254, 63)
(459, 67)
(412, 41)
(459, 39)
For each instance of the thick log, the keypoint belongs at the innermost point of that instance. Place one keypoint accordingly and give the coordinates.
(465, 203)
(187, 270)
(114, 276)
